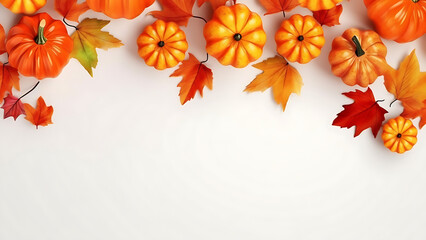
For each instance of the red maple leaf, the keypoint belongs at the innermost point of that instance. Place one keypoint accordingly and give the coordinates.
(70, 9)
(13, 107)
(329, 17)
(9, 77)
(178, 11)
(363, 113)
(2, 40)
(39, 116)
(195, 75)
(274, 6)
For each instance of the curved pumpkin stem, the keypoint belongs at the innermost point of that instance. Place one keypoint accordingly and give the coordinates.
(41, 39)
(359, 52)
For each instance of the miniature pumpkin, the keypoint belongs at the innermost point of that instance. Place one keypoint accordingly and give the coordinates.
(399, 134)
(23, 6)
(39, 46)
(235, 35)
(120, 8)
(358, 57)
(316, 5)
(398, 20)
(162, 45)
(300, 38)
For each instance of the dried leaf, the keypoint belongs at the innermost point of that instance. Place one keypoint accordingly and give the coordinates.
(178, 11)
(329, 17)
(70, 9)
(13, 107)
(274, 6)
(9, 77)
(39, 116)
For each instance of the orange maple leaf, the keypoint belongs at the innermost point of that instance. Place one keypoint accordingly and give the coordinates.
(9, 77)
(408, 85)
(178, 11)
(274, 6)
(70, 9)
(329, 17)
(2, 40)
(278, 74)
(39, 116)
(215, 3)
(195, 76)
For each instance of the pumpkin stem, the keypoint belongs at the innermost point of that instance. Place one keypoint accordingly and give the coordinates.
(237, 37)
(359, 52)
(415, 1)
(161, 44)
(41, 39)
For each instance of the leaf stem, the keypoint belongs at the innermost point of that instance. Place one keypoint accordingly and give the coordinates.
(207, 58)
(380, 100)
(69, 25)
(390, 105)
(32, 89)
(200, 18)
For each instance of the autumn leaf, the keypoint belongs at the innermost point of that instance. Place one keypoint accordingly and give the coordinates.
(278, 74)
(9, 77)
(215, 3)
(87, 38)
(408, 85)
(274, 6)
(329, 17)
(178, 11)
(70, 9)
(41, 115)
(195, 76)
(2, 40)
(13, 107)
(363, 113)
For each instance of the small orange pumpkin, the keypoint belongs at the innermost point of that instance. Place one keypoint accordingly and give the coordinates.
(162, 45)
(316, 5)
(120, 8)
(23, 6)
(39, 46)
(358, 57)
(399, 134)
(300, 38)
(235, 35)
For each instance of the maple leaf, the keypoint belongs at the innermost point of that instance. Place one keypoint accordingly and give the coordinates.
(13, 107)
(195, 76)
(278, 74)
(2, 40)
(408, 85)
(39, 116)
(363, 113)
(87, 38)
(215, 3)
(9, 77)
(70, 9)
(329, 17)
(274, 6)
(178, 11)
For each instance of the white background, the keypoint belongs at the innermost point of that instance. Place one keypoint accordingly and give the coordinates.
(124, 160)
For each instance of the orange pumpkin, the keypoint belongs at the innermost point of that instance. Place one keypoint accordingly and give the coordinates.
(398, 20)
(162, 45)
(120, 8)
(399, 134)
(23, 6)
(235, 35)
(316, 5)
(300, 39)
(358, 57)
(39, 46)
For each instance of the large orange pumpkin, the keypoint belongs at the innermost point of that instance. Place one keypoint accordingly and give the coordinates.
(316, 5)
(39, 46)
(120, 8)
(23, 6)
(399, 134)
(398, 20)
(358, 57)
(235, 35)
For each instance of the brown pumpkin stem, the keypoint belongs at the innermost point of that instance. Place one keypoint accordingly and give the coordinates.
(41, 39)
(399, 135)
(359, 52)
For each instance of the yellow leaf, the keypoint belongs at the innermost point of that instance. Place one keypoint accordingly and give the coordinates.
(87, 38)
(278, 74)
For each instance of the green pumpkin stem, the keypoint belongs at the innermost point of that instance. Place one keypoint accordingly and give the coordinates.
(359, 52)
(41, 39)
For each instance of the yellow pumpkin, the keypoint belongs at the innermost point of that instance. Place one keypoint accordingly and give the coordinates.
(300, 38)
(23, 6)
(399, 134)
(316, 5)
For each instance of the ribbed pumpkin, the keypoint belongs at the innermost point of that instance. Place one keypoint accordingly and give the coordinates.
(300, 38)
(120, 8)
(235, 35)
(162, 45)
(398, 20)
(358, 57)
(316, 5)
(39, 46)
(399, 134)
(23, 6)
